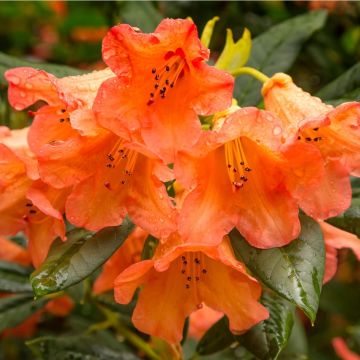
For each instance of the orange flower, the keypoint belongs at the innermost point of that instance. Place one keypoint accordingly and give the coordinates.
(337, 239)
(334, 133)
(187, 277)
(237, 177)
(27, 203)
(343, 351)
(128, 254)
(12, 252)
(162, 84)
(202, 320)
(74, 151)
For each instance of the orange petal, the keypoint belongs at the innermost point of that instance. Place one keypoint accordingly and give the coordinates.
(343, 351)
(12, 252)
(331, 261)
(60, 306)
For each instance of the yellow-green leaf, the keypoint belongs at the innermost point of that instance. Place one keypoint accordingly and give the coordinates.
(208, 31)
(235, 54)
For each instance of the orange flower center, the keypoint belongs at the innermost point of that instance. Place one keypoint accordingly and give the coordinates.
(193, 269)
(237, 166)
(124, 161)
(310, 135)
(166, 77)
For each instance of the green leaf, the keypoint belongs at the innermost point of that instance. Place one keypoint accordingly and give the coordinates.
(275, 51)
(350, 219)
(346, 86)
(217, 338)
(14, 278)
(208, 31)
(235, 54)
(90, 347)
(71, 261)
(15, 309)
(267, 339)
(8, 62)
(149, 248)
(295, 271)
(142, 14)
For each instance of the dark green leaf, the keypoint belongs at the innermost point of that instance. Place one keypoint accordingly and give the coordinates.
(267, 339)
(217, 338)
(149, 247)
(295, 271)
(275, 51)
(102, 346)
(8, 62)
(350, 219)
(342, 87)
(15, 309)
(142, 14)
(72, 261)
(14, 278)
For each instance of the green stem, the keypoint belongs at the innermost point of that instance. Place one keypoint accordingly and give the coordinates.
(252, 72)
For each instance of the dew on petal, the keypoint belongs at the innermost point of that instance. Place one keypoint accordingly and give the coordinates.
(28, 86)
(108, 54)
(277, 130)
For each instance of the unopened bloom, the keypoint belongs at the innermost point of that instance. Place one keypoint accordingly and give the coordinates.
(180, 279)
(163, 83)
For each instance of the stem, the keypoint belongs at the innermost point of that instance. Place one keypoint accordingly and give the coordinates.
(252, 72)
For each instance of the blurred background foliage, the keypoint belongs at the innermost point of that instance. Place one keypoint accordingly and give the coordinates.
(70, 33)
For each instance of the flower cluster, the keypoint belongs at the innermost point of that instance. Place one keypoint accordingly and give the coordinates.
(106, 144)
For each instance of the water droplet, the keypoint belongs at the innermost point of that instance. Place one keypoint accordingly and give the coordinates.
(22, 94)
(56, 142)
(13, 79)
(28, 86)
(108, 54)
(199, 306)
(161, 196)
(18, 106)
(277, 130)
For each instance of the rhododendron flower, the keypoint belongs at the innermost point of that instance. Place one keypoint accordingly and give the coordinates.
(74, 151)
(337, 239)
(238, 177)
(202, 320)
(128, 254)
(180, 279)
(334, 132)
(343, 351)
(162, 85)
(27, 204)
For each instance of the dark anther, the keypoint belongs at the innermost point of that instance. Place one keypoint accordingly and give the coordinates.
(229, 166)
(150, 102)
(188, 278)
(63, 110)
(299, 137)
(243, 178)
(123, 182)
(156, 85)
(315, 129)
(247, 169)
(153, 70)
(110, 157)
(162, 96)
(242, 163)
(157, 77)
(172, 85)
(107, 185)
(121, 150)
(62, 120)
(234, 170)
(204, 271)
(151, 94)
(167, 82)
(308, 139)
(167, 68)
(187, 286)
(32, 211)
(185, 262)
(183, 271)
(197, 278)
(28, 205)
(183, 258)
(197, 261)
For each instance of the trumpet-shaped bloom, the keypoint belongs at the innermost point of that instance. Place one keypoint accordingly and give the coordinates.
(74, 151)
(238, 178)
(343, 351)
(162, 84)
(26, 204)
(337, 239)
(180, 279)
(128, 254)
(334, 132)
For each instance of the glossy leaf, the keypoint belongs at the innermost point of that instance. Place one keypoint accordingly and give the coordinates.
(275, 51)
(149, 247)
(14, 278)
(15, 309)
(101, 345)
(350, 219)
(346, 86)
(235, 54)
(8, 62)
(208, 31)
(267, 339)
(72, 261)
(217, 338)
(295, 271)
